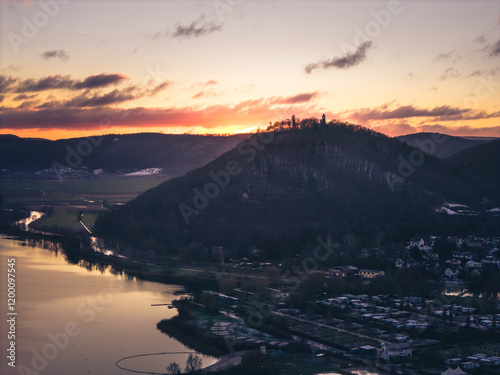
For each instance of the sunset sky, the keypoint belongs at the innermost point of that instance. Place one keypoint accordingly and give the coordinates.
(78, 68)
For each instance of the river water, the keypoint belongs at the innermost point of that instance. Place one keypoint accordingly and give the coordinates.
(71, 320)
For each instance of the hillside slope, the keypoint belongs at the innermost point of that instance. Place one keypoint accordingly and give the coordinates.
(440, 145)
(176, 154)
(278, 191)
(481, 161)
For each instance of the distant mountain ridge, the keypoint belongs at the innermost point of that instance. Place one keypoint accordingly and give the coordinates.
(175, 154)
(442, 145)
(312, 179)
(482, 161)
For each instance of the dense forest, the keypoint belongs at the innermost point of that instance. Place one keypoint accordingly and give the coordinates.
(299, 179)
(175, 153)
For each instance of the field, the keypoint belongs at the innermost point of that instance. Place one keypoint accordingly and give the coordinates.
(68, 197)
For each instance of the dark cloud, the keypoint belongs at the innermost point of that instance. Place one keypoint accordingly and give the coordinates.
(56, 53)
(196, 29)
(100, 80)
(10, 84)
(24, 97)
(299, 98)
(46, 83)
(407, 111)
(100, 100)
(344, 62)
(26, 104)
(6, 83)
(153, 90)
(255, 111)
(495, 49)
(1, 98)
(449, 73)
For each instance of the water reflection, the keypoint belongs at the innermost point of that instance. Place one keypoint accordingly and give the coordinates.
(111, 313)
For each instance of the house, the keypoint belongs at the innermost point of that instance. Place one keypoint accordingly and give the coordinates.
(342, 271)
(452, 272)
(392, 351)
(491, 260)
(475, 273)
(473, 265)
(370, 274)
(400, 263)
(367, 350)
(417, 241)
(468, 255)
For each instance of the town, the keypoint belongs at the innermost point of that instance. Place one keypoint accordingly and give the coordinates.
(343, 313)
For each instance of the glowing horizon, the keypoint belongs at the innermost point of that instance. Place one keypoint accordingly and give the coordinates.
(84, 68)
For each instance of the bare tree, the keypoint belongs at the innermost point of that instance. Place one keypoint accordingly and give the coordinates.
(173, 368)
(193, 363)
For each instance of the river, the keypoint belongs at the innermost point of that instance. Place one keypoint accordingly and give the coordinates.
(74, 321)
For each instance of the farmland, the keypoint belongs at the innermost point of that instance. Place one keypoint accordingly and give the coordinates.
(65, 199)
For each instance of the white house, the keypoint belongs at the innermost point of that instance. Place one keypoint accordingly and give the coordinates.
(402, 350)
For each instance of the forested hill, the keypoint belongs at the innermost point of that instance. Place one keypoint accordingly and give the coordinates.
(441, 145)
(175, 153)
(280, 189)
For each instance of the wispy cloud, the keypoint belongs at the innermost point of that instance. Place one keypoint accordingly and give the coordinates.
(345, 62)
(495, 49)
(296, 99)
(195, 29)
(409, 77)
(452, 55)
(449, 73)
(56, 53)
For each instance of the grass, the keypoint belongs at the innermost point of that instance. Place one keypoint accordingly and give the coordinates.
(104, 185)
(68, 197)
(68, 219)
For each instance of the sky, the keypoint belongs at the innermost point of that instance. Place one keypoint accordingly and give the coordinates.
(71, 68)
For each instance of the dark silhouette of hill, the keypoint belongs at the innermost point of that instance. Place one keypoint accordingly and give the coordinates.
(281, 189)
(441, 145)
(176, 154)
(482, 161)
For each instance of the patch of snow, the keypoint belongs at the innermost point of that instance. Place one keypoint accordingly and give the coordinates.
(494, 210)
(455, 205)
(445, 210)
(145, 172)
